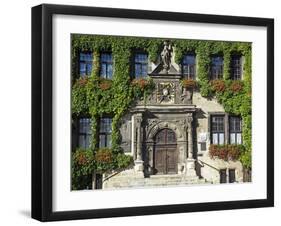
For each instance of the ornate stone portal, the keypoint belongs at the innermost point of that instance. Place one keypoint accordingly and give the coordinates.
(178, 123)
(168, 108)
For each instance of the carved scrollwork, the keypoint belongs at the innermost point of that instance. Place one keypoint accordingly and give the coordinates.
(185, 95)
(138, 119)
(165, 92)
(189, 119)
(149, 149)
(151, 123)
(182, 122)
(177, 127)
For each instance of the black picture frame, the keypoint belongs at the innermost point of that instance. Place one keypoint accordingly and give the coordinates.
(42, 111)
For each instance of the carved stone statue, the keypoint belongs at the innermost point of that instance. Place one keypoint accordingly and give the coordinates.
(166, 56)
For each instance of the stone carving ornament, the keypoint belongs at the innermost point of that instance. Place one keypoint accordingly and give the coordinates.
(189, 118)
(166, 92)
(186, 95)
(166, 56)
(153, 129)
(138, 120)
(151, 123)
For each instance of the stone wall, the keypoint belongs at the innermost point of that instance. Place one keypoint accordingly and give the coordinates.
(209, 168)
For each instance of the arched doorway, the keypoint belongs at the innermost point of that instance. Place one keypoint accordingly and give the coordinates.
(165, 152)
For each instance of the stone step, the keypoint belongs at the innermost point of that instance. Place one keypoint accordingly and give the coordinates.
(153, 181)
(144, 185)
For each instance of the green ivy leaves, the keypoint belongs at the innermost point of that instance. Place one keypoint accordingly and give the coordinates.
(90, 99)
(85, 162)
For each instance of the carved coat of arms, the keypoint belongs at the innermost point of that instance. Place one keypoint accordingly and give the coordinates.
(166, 92)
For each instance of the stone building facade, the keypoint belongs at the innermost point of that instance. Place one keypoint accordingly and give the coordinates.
(168, 134)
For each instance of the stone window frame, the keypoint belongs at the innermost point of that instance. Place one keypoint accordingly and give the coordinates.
(133, 62)
(227, 117)
(87, 62)
(107, 63)
(221, 114)
(211, 75)
(234, 180)
(76, 133)
(236, 132)
(104, 133)
(236, 54)
(189, 53)
(223, 179)
(227, 179)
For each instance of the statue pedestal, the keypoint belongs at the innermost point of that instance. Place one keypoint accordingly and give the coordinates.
(190, 168)
(139, 167)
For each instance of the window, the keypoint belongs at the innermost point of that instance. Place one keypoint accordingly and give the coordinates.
(235, 130)
(85, 63)
(236, 67)
(140, 65)
(84, 133)
(188, 66)
(98, 181)
(226, 131)
(106, 66)
(105, 132)
(203, 146)
(216, 67)
(217, 129)
(227, 176)
(231, 175)
(223, 176)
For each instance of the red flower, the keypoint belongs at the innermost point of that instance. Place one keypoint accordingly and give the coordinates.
(104, 155)
(189, 83)
(82, 159)
(105, 84)
(233, 152)
(225, 152)
(83, 81)
(218, 85)
(236, 86)
(140, 83)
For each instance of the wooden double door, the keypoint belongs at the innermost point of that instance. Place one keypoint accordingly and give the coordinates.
(165, 152)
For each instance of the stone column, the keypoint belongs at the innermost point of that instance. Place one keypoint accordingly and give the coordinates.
(190, 161)
(138, 161)
(190, 136)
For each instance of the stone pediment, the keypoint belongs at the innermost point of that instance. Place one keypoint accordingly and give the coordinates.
(160, 70)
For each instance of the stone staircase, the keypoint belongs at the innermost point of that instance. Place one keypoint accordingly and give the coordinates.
(134, 181)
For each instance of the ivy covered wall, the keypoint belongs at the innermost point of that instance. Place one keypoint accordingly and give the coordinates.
(235, 96)
(94, 97)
